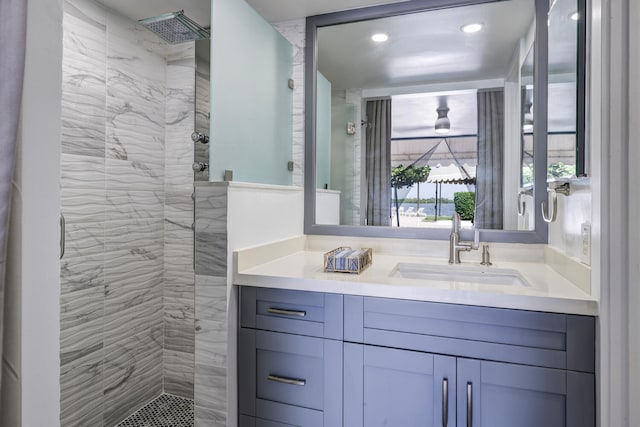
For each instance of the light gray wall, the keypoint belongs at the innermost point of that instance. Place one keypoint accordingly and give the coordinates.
(31, 392)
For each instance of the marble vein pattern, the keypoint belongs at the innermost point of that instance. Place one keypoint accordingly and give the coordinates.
(211, 342)
(209, 418)
(179, 279)
(83, 83)
(179, 324)
(210, 394)
(82, 172)
(211, 387)
(211, 313)
(133, 373)
(178, 373)
(211, 254)
(211, 210)
(127, 116)
(202, 114)
(81, 391)
(294, 32)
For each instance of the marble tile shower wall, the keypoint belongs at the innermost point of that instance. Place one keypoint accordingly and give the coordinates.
(179, 279)
(202, 114)
(118, 137)
(211, 306)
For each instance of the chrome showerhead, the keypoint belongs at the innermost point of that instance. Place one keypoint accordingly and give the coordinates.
(175, 27)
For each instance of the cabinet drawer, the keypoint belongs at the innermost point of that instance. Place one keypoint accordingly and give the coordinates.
(516, 336)
(296, 374)
(297, 312)
(290, 369)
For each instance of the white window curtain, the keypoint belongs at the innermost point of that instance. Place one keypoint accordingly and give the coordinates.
(13, 15)
(378, 162)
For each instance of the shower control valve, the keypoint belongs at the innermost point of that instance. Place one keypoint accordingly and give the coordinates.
(200, 166)
(199, 137)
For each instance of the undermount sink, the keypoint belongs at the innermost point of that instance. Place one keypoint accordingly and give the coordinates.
(460, 273)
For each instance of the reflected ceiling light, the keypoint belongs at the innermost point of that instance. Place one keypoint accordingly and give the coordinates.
(472, 28)
(380, 37)
(443, 125)
(574, 16)
(527, 123)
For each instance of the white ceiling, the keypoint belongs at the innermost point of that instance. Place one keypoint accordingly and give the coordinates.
(425, 48)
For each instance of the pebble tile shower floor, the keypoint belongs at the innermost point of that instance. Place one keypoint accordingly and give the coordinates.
(164, 411)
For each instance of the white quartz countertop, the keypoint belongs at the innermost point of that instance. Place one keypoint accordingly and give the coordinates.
(303, 270)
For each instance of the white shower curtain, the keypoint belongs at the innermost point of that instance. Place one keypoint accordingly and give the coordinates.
(13, 15)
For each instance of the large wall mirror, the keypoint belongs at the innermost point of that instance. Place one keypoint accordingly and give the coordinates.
(397, 129)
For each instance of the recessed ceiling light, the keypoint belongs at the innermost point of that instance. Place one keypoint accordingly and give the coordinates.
(471, 28)
(574, 16)
(380, 37)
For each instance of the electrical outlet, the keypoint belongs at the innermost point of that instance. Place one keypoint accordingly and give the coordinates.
(351, 128)
(585, 252)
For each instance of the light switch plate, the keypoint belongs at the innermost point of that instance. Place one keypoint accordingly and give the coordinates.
(585, 251)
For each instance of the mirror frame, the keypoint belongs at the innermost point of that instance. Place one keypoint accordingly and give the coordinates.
(539, 235)
(581, 129)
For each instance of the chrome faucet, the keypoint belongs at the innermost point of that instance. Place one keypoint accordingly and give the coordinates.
(456, 245)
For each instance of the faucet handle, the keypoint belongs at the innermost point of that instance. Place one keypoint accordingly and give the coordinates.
(476, 239)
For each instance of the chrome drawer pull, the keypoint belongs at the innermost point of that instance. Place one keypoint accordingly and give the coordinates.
(285, 380)
(445, 402)
(282, 311)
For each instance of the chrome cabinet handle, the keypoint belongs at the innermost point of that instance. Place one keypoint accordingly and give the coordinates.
(284, 312)
(469, 405)
(445, 402)
(63, 239)
(286, 380)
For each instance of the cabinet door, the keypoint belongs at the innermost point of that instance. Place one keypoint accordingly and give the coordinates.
(493, 394)
(391, 387)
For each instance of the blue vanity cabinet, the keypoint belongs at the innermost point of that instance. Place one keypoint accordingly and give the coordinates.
(309, 359)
